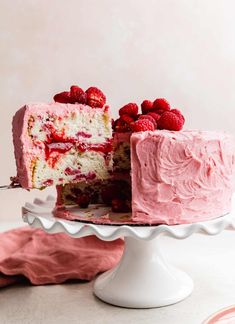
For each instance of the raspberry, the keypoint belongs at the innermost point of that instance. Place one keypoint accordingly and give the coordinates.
(146, 106)
(63, 97)
(162, 104)
(148, 117)
(83, 200)
(77, 94)
(169, 120)
(160, 111)
(154, 115)
(120, 206)
(120, 126)
(142, 125)
(95, 97)
(127, 119)
(130, 109)
(178, 113)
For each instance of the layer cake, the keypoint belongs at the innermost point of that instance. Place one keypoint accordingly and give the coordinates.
(149, 166)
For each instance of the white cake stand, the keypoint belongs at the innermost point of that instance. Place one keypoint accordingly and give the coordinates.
(142, 278)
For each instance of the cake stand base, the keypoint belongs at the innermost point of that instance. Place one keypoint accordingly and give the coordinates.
(143, 278)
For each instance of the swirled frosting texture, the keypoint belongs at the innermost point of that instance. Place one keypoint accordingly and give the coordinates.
(181, 177)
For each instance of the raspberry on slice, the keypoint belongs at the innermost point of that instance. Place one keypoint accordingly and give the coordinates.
(170, 121)
(142, 125)
(146, 106)
(178, 113)
(127, 118)
(161, 104)
(83, 200)
(120, 205)
(130, 109)
(77, 94)
(95, 97)
(63, 97)
(154, 115)
(149, 118)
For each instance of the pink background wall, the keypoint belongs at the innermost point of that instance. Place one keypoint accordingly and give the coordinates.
(183, 50)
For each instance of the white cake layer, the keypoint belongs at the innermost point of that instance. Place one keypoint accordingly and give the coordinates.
(91, 127)
(88, 163)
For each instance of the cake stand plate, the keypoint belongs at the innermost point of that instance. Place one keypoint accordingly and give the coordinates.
(142, 278)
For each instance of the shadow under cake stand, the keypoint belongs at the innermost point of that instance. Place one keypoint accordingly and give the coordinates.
(142, 278)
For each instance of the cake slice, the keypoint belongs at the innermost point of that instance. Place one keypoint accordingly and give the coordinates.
(62, 143)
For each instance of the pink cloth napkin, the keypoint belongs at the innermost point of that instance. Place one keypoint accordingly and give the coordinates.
(53, 258)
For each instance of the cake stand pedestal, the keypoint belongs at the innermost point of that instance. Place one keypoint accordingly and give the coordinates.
(142, 278)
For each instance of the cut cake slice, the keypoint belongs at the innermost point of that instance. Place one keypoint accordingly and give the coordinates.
(61, 143)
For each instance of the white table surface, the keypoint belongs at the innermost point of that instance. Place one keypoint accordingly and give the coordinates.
(209, 260)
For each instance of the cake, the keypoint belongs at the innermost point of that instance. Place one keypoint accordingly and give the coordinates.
(150, 170)
(61, 143)
(181, 177)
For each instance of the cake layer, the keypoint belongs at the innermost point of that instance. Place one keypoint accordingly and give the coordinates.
(121, 152)
(61, 143)
(69, 194)
(95, 192)
(181, 177)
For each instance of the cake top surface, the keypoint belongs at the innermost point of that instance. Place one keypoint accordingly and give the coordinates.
(57, 108)
(183, 135)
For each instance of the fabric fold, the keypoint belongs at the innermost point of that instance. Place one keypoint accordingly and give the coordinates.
(54, 258)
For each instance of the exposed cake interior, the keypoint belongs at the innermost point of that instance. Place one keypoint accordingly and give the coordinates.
(114, 191)
(62, 143)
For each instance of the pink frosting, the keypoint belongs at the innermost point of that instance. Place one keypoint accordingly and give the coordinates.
(181, 177)
(24, 149)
